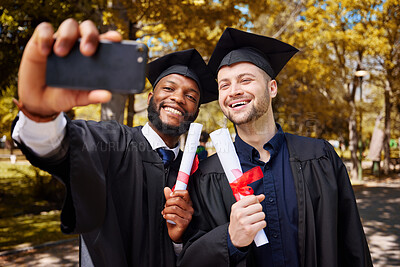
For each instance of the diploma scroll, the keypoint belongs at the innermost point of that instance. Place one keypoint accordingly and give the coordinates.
(192, 142)
(230, 163)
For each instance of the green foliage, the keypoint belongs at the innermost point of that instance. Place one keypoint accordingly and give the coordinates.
(30, 230)
(26, 189)
(19, 18)
(8, 111)
(174, 25)
(29, 206)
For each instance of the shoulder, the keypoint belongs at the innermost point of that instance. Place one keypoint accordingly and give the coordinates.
(306, 148)
(211, 165)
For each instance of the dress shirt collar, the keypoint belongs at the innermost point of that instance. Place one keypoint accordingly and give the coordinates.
(273, 146)
(156, 141)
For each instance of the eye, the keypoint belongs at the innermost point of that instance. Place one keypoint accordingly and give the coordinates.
(166, 88)
(223, 86)
(192, 98)
(245, 80)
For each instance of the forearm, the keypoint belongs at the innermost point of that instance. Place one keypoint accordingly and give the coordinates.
(43, 139)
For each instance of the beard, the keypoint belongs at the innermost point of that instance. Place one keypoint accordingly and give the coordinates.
(153, 114)
(257, 110)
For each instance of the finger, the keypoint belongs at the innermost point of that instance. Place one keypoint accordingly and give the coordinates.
(32, 70)
(66, 36)
(179, 202)
(260, 197)
(179, 221)
(255, 218)
(89, 38)
(84, 98)
(246, 201)
(178, 212)
(43, 37)
(254, 208)
(99, 96)
(259, 225)
(183, 194)
(112, 36)
(167, 193)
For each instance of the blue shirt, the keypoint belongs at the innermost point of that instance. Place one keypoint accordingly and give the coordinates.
(279, 206)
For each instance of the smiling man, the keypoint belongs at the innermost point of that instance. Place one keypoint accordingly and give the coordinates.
(117, 178)
(304, 201)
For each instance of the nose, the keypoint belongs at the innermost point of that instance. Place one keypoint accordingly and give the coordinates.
(235, 90)
(178, 96)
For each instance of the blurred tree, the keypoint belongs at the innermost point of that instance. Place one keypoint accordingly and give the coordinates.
(319, 86)
(386, 30)
(18, 19)
(307, 100)
(8, 111)
(167, 26)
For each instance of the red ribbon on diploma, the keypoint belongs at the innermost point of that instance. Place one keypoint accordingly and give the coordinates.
(184, 177)
(240, 185)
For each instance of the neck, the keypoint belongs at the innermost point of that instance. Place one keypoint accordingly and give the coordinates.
(257, 133)
(169, 140)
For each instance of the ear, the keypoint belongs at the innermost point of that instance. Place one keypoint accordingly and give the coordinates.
(273, 88)
(149, 97)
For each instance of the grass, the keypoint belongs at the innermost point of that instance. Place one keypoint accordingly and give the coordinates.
(28, 215)
(30, 230)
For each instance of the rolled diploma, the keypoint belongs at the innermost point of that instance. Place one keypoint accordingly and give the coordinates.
(192, 141)
(230, 162)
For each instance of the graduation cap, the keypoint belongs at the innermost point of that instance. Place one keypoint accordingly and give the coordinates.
(188, 63)
(235, 46)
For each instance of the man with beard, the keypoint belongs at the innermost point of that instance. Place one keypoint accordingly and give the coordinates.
(303, 200)
(117, 178)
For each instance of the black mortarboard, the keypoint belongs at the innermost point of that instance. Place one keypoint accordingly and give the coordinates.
(235, 46)
(188, 63)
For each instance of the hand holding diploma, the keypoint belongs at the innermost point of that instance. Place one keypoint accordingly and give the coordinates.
(247, 206)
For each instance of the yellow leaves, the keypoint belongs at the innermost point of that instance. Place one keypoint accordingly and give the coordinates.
(8, 20)
(107, 17)
(194, 2)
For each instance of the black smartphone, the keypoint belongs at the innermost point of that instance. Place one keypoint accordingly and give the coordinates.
(117, 67)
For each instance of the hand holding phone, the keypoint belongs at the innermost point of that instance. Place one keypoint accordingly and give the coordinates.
(117, 67)
(33, 92)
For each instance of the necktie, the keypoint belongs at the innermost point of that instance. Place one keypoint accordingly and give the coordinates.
(166, 155)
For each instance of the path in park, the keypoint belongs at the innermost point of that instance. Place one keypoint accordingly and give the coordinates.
(378, 205)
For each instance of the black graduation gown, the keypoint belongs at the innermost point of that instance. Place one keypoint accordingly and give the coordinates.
(114, 198)
(330, 233)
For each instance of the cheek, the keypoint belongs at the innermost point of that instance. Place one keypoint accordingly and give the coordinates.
(221, 98)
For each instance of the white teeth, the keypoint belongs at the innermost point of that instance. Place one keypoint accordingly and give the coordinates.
(239, 104)
(172, 110)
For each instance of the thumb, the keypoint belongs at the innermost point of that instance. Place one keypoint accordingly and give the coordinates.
(260, 197)
(167, 193)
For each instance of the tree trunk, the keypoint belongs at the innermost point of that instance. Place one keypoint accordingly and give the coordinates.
(353, 141)
(386, 142)
(131, 110)
(114, 110)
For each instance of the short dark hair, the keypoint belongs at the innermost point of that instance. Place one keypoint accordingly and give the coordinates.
(204, 136)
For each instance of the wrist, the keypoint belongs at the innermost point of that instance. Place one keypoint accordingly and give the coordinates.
(35, 116)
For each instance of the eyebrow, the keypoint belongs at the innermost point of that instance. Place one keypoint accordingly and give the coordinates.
(239, 76)
(191, 89)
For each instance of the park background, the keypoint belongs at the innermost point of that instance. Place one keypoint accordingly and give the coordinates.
(343, 85)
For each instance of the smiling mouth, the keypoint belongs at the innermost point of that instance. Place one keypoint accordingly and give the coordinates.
(239, 104)
(173, 111)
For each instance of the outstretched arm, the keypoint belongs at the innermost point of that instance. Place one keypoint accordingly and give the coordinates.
(40, 100)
